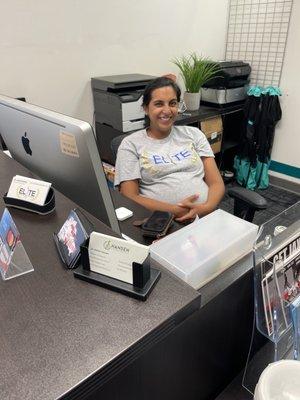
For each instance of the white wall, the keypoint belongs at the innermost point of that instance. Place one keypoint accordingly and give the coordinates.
(50, 49)
(286, 148)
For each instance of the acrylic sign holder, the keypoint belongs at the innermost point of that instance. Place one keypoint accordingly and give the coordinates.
(19, 263)
(276, 258)
(14, 260)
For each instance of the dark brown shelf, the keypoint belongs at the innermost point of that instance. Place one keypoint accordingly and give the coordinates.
(205, 112)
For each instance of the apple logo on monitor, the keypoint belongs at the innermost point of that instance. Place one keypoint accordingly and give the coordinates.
(26, 144)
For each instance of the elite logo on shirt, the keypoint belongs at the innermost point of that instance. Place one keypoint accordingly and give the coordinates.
(153, 161)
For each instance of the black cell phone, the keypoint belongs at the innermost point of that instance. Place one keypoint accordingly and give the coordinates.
(158, 222)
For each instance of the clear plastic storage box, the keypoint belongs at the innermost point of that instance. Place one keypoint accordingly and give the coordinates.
(200, 251)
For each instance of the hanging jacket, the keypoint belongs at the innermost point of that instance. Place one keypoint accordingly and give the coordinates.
(247, 148)
(262, 111)
(270, 114)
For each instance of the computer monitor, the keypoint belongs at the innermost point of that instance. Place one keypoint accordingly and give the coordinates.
(61, 150)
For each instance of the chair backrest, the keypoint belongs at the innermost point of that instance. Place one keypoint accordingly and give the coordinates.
(115, 143)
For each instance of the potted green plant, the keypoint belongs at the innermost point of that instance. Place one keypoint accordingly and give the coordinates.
(195, 72)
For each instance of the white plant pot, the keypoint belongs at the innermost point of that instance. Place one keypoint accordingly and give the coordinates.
(192, 100)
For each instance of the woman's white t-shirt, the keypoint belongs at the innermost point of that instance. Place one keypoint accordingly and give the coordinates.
(168, 169)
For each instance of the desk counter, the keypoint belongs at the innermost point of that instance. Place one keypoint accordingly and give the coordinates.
(59, 335)
(63, 338)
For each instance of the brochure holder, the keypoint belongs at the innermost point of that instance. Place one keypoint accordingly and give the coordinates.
(144, 277)
(87, 228)
(47, 208)
(276, 258)
(19, 263)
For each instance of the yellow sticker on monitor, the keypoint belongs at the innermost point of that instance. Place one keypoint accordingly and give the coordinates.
(68, 144)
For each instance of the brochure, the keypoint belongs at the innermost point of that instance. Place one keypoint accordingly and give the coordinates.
(281, 286)
(295, 312)
(9, 236)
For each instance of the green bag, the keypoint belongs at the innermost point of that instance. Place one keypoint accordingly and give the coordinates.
(249, 176)
(245, 174)
(262, 176)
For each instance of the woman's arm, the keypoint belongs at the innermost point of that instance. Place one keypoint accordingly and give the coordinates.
(130, 189)
(216, 192)
(214, 181)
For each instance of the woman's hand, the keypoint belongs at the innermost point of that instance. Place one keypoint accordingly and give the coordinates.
(179, 211)
(189, 202)
(194, 208)
(215, 185)
(130, 189)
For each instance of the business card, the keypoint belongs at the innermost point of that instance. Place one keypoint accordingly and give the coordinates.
(113, 257)
(28, 189)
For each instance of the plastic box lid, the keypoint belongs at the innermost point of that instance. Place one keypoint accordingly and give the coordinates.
(200, 251)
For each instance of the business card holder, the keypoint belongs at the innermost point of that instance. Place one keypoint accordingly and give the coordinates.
(47, 208)
(144, 277)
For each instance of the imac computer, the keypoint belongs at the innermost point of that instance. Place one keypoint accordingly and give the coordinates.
(61, 150)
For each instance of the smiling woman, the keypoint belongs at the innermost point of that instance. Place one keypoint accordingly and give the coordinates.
(166, 167)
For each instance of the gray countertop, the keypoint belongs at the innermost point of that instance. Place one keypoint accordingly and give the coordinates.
(56, 331)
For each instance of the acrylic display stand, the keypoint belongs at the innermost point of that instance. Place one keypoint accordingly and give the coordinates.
(87, 227)
(277, 293)
(19, 263)
(144, 277)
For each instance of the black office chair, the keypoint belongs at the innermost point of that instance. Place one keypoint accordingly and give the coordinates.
(115, 143)
(246, 202)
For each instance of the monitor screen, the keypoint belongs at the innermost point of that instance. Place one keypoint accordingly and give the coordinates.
(61, 150)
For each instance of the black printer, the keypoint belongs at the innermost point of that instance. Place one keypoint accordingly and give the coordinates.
(229, 85)
(118, 100)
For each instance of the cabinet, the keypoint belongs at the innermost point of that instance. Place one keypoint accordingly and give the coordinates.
(232, 126)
